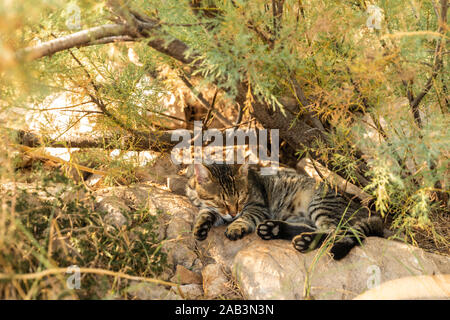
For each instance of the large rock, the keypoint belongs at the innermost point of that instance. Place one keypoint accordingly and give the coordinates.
(274, 270)
(177, 217)
(215, 281)
(219, 249)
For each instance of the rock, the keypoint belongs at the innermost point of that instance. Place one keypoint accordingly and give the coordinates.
(177, 215)
(177, 184)
(214, 281)
(190, 291)
(418, 287)
(151, 291)
(275, 270)
(35, 194)
(134, 197)
(186, 276)
(180, 254)
(114, 209)
(220, 249)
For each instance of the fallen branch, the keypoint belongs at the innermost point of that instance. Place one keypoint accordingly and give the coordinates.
(158, 141)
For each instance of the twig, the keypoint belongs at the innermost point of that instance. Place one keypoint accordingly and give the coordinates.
(437, 62)
(236, 126)
(166, 115)
(277, 12)
(211, 109)
(71, 126)
(260, 34)
(239, 117)
(304, 103)
(55, 271)
(99, 102)
(85, 111)
(60, 108)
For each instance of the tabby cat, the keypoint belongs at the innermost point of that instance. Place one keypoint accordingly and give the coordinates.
(285, 205)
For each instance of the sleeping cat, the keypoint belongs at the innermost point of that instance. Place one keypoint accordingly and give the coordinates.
(286, 205)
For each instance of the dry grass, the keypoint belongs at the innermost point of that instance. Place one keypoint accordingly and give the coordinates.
(43, 232)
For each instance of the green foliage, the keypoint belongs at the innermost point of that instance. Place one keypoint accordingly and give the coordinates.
(54, 230)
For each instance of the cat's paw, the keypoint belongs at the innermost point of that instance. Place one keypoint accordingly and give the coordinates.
(202, 227)
(308, 241)
(201, 231)
(269, 229)
(341, 248)
(237, 230)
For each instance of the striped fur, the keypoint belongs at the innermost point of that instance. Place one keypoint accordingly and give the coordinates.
(285, 205)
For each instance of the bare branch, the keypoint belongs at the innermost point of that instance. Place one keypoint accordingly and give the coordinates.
(157, 141)
(78, 39)
(210, 111)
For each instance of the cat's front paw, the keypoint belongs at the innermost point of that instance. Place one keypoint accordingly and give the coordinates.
(237, 230)
(269, 229)
(202, 227)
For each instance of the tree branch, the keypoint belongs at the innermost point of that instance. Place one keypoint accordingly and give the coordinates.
(78, 39)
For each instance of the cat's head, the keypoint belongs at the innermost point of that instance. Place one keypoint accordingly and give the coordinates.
(221, 188)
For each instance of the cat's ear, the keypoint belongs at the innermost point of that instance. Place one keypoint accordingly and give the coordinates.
(242, 169)
(202, 174)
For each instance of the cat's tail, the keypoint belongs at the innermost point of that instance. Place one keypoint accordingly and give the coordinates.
(372, 226)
